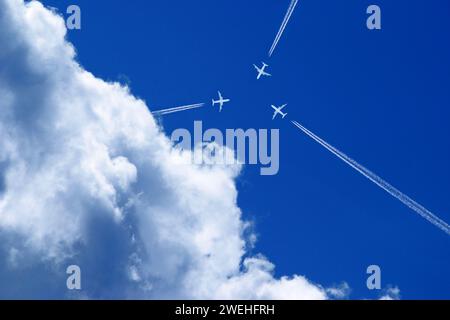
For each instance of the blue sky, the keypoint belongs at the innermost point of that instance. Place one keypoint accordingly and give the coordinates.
(380, 96)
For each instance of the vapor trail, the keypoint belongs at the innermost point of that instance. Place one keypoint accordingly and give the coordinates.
(286, 19)
(177, 109)
(422, 211)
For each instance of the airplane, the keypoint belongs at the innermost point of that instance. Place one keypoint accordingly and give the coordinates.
(220, 102)
(278, 111)
(262, 71)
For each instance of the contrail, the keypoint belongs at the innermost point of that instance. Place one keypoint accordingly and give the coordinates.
(177, 109)
(283, 25)
(422, 211)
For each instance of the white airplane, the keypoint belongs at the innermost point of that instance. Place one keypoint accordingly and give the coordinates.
(220, 102)
(278, 111)
(262, 71)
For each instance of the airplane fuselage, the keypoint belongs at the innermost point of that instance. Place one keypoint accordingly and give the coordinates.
(221, 102)
(262, 71)
(279, 112)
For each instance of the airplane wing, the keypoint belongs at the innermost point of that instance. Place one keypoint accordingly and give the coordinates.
(282, 107)
(274, 115)
(220, 95)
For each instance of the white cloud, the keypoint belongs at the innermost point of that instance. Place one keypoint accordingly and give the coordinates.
(391, 293)
(342, 291)
(88, 176)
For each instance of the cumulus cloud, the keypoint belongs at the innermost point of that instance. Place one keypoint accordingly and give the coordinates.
(391, 293)
(88, 177)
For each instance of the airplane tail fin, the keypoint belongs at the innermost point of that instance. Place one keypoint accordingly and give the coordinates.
(213, 102)
(284, 115)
